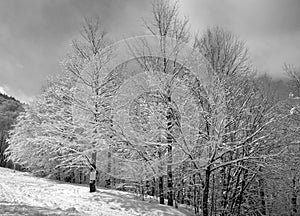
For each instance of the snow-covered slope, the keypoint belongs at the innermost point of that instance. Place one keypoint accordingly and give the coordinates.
(24, 194)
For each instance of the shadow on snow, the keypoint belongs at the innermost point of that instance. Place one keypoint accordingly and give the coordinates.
(131, 203)
(21, 209)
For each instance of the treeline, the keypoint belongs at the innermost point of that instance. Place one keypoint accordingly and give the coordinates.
(182, 118)
(9, 110)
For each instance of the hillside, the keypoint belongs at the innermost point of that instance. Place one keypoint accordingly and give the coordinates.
(9, 111)
(23, 194)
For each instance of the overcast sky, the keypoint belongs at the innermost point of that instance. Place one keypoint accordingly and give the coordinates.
(36, 34)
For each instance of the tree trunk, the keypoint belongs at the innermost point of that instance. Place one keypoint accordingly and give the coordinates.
(170, 158)
(170, 182)
(206, 192)
(108, 181)
(183, 187)
(262, 196)
(195, 196)
(161, 190)
(294, 198)
(93, 169)
(223, 190)
(241, 192)
(161, 183)
(80, 177)
(142, 191)
(153, 187)
(212, 209)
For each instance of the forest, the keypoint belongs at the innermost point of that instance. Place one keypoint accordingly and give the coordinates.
(9, 111)
(180, 117)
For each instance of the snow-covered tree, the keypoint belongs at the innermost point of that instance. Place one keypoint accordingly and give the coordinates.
(69, 116)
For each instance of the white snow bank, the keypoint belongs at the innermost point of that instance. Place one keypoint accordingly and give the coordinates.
(24, 194)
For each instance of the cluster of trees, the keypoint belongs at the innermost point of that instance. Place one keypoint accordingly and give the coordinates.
(9, 110)
(189, 124)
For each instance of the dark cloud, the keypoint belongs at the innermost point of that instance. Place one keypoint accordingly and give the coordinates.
(247, 16)
(35, 34)
(270, 28)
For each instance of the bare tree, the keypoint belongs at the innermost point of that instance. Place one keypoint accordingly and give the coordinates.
(167, 24)
(294, 76)
(85, 63)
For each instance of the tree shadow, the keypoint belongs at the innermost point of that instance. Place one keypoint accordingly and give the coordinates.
(21, 209)
(131, 203)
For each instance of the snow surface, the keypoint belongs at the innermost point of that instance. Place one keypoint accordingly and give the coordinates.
(23, 194)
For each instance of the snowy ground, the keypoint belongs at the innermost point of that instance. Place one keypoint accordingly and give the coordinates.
(24, 194)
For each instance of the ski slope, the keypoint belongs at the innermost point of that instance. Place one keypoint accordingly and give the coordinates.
(23, 194)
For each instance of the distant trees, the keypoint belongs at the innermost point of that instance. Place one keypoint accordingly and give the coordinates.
(9, 110)
(278, 182)
(285, 167)
(294, 76)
